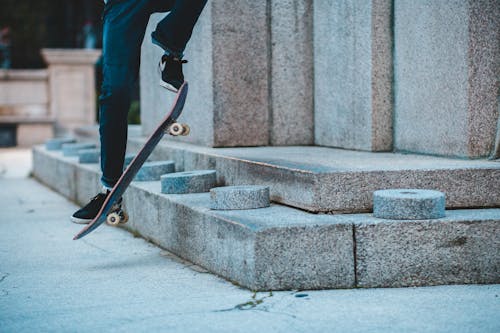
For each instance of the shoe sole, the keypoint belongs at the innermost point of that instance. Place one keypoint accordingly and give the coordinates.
(168, 86)
(80, 221)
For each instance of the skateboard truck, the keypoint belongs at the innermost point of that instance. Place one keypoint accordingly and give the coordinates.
(116, 218)
(178, 129)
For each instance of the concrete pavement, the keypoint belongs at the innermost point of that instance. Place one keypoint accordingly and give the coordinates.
(113, 282)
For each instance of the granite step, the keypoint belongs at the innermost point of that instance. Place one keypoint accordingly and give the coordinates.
(321, 179)
(280, 247)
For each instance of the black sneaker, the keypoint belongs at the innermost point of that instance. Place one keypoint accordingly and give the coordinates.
(171, 72)
(86, 214)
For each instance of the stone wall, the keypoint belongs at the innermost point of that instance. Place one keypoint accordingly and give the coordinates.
(446, 67)
(25, 118)
(250, 77)
(377, 75)
(353, 74)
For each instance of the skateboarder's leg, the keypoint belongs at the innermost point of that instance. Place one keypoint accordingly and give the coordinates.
(123, 31)
(174, 31)
(172, 34)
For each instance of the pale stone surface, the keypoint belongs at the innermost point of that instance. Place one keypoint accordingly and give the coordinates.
(408, 204)
(24, 87)
(56, 143)
(171, 294)
(239, 197)
(153, 170)
(324, 179)
(291, 72)
(196, 181)
(88, 182)
(72, 87)
(446, 69)
(89, 155)
(353, 74)
(29, 134)
(463, 247)
(72, 149)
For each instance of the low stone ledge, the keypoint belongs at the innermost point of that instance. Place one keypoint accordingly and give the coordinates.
(284, 248)
(462, 248)
(72, 149)
(89, 155)
(408, 204)
(197, 181)
(56, 143)
(239, 197)
(154, 170)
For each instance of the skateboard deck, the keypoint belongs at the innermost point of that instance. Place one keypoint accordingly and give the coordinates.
(132, 169)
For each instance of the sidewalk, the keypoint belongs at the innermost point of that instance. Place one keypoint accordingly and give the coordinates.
(111, 281)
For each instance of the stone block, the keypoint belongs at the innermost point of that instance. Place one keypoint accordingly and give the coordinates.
(239, 197)
(446, 76)
(153, 170)
(408, 204)
(56, 143)
(353, 74)
(72, 149)
(71, 86)
(322, 179)
(259, 249)
(291, 72)
(463, 247)
(29, 134)
(197, 181)
(89, 155)
(88, 182)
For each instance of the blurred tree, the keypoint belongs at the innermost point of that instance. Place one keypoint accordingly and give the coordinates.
(35, 24)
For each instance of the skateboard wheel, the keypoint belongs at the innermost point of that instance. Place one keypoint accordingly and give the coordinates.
(175, 129)
(113, 219)
(123, 217)
(185, 129)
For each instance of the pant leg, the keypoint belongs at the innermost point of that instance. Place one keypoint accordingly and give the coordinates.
(174, 31)
(123, 31)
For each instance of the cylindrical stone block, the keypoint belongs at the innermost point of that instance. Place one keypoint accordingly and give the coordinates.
(239, 197)
(56, 143)
(408, 204)
(89, 155)
(71, 149)
(153, 170)
(197, 181)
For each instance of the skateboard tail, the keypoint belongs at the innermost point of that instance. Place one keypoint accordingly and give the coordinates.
(129, 174)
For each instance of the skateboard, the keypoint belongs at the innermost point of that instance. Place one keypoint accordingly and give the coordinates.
(109, 212)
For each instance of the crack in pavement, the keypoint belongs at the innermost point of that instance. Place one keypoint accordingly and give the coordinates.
(3, 277)
(251, 304)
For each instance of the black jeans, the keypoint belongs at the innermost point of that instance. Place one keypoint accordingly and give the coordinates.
(123, 32)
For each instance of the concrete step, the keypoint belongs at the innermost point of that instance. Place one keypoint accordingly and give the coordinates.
(320, 179)
(280, 247)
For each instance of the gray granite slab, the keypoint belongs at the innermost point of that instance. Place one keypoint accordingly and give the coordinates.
(196, 181)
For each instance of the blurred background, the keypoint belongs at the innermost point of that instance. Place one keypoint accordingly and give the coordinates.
(27, 26)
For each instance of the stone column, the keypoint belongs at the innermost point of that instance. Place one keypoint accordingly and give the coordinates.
(72, 87)
(446, 68)
(353, 74)
(228, 101)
